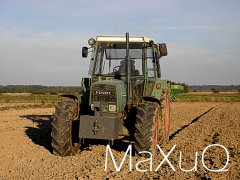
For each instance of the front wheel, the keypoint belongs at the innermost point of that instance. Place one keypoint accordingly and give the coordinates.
(65, 129)
(149, 128)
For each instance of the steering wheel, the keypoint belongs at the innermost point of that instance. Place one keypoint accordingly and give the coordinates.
(115, 69)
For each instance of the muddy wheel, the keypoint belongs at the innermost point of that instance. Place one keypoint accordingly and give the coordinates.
(149, 128)
(65, 128)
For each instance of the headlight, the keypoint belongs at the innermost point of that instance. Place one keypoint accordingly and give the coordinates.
(112, 107)
(91, 41)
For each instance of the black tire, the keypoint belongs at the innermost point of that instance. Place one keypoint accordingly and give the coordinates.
(149, 128)
(65, 129)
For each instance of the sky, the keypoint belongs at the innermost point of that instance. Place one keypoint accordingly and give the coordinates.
(41, 41)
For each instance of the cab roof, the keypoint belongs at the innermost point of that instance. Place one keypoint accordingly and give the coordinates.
(140, 39)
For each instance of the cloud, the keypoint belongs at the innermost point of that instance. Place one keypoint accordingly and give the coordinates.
(197, 65)
(40, 42)
(204, 28)
(42, 58)
(50, 58)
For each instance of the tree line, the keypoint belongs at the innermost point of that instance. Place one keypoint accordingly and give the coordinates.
(39, 89)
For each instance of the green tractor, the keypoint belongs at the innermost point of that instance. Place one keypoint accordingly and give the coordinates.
(124, 97)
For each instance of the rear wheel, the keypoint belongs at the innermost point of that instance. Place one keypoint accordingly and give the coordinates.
(149, 128)
(65, 128)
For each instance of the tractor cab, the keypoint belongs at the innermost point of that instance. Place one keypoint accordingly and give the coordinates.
(135, 63)
(108, 58)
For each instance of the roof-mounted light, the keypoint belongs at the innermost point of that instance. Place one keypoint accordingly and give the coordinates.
(91, 41)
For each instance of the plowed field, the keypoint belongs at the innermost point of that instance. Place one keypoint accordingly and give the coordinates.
(25, 148)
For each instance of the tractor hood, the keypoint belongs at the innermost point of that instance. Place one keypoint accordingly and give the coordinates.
(110, 93)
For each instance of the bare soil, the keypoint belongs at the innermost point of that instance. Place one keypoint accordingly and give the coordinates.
(26, 151)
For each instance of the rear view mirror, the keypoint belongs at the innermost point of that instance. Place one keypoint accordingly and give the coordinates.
(163, 49)
(84, 52)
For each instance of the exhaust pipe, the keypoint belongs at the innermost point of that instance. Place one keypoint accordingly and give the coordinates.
(129, 66)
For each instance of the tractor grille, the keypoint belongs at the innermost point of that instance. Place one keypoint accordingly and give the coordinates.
(104, 93)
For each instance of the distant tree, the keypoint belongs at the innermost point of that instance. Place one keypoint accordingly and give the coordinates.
(185, 88)
(38, 89)
(53, 93)
(214, 90)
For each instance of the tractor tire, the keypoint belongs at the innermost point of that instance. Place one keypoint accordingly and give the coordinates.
(149, 127)
(65, 129)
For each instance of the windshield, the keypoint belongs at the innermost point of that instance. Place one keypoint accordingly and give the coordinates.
(110, 59)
